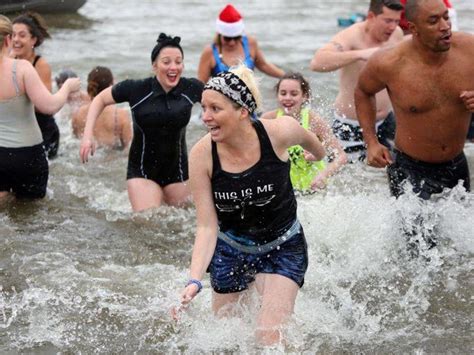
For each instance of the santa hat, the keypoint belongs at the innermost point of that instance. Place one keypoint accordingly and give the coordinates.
(230, 23)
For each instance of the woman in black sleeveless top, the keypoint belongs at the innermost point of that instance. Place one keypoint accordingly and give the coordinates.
(246, 210)
(29, 32)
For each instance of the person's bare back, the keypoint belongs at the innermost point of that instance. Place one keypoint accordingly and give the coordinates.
(113, 127)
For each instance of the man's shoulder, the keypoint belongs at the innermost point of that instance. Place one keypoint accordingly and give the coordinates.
(352, 33)
(463, 39)
(389, 57)
(396, 37)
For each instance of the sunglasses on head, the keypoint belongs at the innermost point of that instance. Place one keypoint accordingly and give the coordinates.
(228, 39)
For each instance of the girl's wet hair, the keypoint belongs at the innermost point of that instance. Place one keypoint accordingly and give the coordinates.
(164, 41)
(5, 28)
(305, 87)
(99, 78)
(36, 25)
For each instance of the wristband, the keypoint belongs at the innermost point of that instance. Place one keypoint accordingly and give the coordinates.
(195, 282)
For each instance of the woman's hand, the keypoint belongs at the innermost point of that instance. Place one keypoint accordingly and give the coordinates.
(308, 156)
(188, 294)
(72, 85)
(319, 182)
(87, 147)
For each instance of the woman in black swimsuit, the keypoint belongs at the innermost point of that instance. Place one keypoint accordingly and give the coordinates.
(161, 109)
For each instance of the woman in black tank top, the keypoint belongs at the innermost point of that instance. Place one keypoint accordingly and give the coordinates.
(246, 209)
(29, 32)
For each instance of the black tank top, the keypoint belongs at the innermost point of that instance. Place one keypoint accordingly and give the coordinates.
(258, 203)
(36, 60)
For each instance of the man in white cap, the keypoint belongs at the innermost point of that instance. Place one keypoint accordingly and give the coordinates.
(231, 47)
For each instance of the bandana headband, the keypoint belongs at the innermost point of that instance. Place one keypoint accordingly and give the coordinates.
(232, 87)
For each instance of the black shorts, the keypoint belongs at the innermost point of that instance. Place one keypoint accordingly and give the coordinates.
(470, 132)
(350, 135)
(24, 171)
(427, 178)
(50, 132)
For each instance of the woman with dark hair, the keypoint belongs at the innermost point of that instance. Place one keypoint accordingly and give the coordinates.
(23, 164)
(29, 32)
(113, 128)
(161, 109)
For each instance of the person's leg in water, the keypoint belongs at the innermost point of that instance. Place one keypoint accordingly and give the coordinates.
(277, 299)
(425, 180)
(144, 194)
(278, 294)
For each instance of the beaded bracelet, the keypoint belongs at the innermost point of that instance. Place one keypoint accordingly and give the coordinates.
(196, 282)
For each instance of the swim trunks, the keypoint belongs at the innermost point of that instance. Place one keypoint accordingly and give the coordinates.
(470, 132)
(349, 134)
(426, 178)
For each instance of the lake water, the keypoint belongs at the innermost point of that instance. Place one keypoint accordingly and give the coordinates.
(80, 273)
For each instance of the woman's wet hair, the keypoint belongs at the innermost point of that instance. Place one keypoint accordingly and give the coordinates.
(36, 25)
(5, 28)
(164, 41)
(305, 87)
(99, 78)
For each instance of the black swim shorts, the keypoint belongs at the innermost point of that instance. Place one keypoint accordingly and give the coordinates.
(427, 178)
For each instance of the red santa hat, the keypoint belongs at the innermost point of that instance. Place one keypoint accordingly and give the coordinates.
(230, 23)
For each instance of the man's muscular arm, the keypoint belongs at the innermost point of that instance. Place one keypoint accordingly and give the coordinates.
(371, 81)
(337, 54)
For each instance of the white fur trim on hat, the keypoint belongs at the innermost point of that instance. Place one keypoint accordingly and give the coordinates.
(230, 29)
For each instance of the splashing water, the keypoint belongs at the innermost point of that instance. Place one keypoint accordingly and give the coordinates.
(81, 273)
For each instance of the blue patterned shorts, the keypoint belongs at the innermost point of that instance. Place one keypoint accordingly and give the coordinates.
(232, 270)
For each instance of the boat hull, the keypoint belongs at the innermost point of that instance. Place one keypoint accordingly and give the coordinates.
(43, 6)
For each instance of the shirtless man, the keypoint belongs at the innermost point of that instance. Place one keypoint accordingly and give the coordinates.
(349, 51)
(430, 82)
